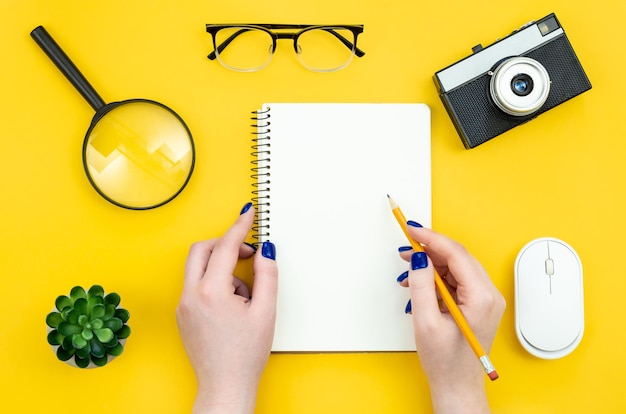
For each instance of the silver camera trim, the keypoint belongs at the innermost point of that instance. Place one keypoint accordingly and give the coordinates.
(502, 94)
(481, 62)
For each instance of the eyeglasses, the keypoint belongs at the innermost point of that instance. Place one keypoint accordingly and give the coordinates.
(250, 47)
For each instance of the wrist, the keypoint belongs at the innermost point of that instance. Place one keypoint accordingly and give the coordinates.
(468, 398)
(225, 400)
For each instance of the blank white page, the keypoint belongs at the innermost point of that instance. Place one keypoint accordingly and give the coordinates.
(332, 166)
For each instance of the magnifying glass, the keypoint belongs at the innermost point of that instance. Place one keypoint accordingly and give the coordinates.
(137, 154)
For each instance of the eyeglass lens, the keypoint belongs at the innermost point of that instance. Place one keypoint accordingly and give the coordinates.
(246, 48)
(319, 49)
(323, 50)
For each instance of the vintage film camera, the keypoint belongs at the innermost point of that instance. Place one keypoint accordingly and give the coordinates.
(511, 81)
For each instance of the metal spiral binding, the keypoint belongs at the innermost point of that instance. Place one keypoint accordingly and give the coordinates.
(261, 173)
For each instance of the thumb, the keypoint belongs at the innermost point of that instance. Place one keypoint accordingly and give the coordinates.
(425, 307)
(265, 288)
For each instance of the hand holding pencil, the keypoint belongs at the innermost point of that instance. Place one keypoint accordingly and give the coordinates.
(447, 347)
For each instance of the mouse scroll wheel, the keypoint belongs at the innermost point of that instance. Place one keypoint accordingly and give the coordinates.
(549, 267)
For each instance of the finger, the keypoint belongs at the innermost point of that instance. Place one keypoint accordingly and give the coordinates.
(240, 288)
(403, 279)
(226, 252)
(246, 250)
(265, 288)
(447, 252)
(405, 252)
(423, 293)
(197, 260)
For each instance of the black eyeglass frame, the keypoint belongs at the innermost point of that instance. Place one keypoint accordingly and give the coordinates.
(212, 29)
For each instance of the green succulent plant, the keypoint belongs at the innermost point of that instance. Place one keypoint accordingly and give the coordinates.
(88, 326)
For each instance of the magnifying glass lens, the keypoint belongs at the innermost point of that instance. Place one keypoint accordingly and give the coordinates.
(139, 154)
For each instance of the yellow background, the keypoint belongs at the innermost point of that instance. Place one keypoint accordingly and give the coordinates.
(561, 175)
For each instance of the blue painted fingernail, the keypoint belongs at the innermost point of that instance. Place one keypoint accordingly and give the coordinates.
(268, 250)
(419, 260)
(245, 208)
(404, 248)
(402, 277)
(408, 308)
(413, 223)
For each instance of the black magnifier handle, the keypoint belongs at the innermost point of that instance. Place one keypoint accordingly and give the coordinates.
(67, 67)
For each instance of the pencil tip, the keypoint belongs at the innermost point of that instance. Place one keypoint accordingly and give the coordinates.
(392, 203)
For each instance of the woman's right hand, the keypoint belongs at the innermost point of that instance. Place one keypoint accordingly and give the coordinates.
(455, 375)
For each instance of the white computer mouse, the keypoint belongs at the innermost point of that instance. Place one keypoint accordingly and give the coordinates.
(549, 306)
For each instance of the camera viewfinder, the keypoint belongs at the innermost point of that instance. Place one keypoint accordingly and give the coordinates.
(548, 26)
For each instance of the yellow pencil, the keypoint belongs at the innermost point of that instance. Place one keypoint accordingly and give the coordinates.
(448, 300)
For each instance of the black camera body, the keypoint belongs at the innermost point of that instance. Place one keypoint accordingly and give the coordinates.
(511, 81)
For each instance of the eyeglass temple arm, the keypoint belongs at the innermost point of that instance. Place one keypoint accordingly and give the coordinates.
(232, 37)
(346, 42)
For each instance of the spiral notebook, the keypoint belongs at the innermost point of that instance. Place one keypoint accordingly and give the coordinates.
(322, 173)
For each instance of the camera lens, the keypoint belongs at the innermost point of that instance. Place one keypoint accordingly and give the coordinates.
(522, 84)
(519, 86)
